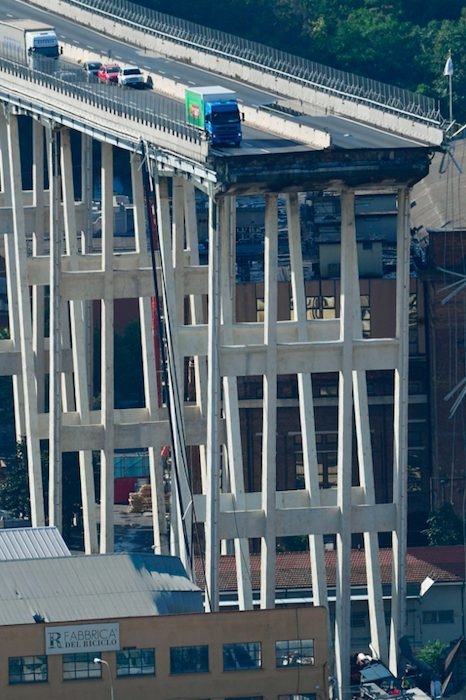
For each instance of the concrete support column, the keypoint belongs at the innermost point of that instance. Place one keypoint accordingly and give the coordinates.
(107, 357)
(197, 312)
(378, 628)
(78, 333)
(213, 412)
(400, 425)
(234, 452)
(55, 467)
(25, 329)
(38, 292)
(12, 285)
(87, 185)
(5, 188)
(181, 493)
(178, 245)
(159, 521)
(269, 406)
(349, 271)
(306, 404)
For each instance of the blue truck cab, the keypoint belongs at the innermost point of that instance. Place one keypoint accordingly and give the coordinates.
(215, 111)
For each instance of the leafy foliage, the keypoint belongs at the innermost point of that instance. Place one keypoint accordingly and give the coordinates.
(444, 527)
(14, 489)
(430, 653)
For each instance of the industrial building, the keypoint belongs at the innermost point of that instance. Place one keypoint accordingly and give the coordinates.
(58, 615)
(435, 612)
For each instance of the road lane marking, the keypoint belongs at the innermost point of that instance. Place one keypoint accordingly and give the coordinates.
(89, 47)
(177, 77)
(191, 82)
(75, 41)
(162, 71)
(147, 67)
(8, 15)
(264, 150)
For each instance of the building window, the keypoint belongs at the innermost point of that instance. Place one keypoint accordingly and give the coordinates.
(298, 461)
(135, 662)
(365, 315)
(260, 306)
(438, 617)
(358, 619)
(327, 459)
(310, 696)
(295, 652)
(27, 669)
(189, 659)
(320, 307)
(240, 657)
(415, 465)
(412, 321)
(78, 666)
(334, 270)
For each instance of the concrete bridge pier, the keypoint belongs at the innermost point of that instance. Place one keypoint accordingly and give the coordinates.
(198, 325)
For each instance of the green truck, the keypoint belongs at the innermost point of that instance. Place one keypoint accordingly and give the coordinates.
(214, 110)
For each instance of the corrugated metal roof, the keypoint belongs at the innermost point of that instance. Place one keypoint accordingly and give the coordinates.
(32, 543)
(99, 586)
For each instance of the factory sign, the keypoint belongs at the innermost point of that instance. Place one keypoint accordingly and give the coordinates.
(72, 639)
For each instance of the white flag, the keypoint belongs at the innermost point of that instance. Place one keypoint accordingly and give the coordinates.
(448, 70)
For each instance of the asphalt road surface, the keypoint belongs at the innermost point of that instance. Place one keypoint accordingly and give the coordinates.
(345, 133)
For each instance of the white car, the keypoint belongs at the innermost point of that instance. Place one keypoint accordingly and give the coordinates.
(131, 76)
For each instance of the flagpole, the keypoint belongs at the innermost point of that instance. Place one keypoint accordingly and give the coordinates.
(451, 96)
(450, 81)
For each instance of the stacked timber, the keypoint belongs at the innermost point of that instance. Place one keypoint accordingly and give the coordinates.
(141, 500)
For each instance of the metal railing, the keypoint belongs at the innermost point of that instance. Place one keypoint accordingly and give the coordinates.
(144, 107)
(323, 78)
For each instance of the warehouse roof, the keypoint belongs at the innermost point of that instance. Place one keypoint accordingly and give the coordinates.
(100, 586)
(293, 569)
(32, 543)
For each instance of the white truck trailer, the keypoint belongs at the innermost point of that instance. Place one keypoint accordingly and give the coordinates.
(31, 43)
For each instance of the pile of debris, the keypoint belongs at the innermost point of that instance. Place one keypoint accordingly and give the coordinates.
(141, 500)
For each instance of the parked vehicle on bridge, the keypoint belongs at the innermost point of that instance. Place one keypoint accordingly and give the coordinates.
(108, 74)
(215, 111)
(130, 76)
(31, 43)
(91, 68)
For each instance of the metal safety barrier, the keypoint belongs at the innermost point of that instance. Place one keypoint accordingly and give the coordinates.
(145, 107)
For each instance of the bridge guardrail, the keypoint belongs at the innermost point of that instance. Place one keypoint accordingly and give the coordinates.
(323, 78)
(158, 112)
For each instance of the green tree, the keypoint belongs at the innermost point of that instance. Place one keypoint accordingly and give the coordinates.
(14, 489)
(444, 527)
(431, 652)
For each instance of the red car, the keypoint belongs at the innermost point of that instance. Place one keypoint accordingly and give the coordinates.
(108, 74)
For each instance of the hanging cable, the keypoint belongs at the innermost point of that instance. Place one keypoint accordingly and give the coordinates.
(150, 209)
(170, 379)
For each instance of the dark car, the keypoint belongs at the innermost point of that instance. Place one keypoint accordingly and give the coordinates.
(91, 67)
(108, 74)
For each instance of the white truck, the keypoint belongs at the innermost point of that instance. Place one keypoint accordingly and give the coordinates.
(31, 43)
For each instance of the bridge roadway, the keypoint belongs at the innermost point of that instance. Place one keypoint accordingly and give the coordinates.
(346, 134)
